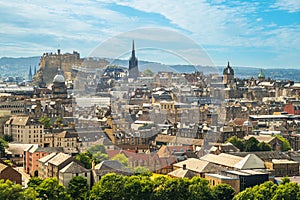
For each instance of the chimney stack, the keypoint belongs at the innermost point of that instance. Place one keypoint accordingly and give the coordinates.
(184, 167)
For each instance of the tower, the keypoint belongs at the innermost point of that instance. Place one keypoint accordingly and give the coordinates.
(30, 74)
(133, 64)
(228, 75)
(59, 88)
(261, 76)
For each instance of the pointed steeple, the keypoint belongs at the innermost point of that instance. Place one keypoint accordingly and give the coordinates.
(30, 74)
(34, 70)
(133, 51)
(133, 64)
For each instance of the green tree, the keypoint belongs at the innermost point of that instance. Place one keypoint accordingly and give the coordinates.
(173, 188)
(97, 148)
(121, 158)
(9, 190)
(223, 192)
(34, 182)
(8, 138)
(237, 142)
(246, 194)
(85, 159)
(265, 190)
(51, 189)
(251, 144)
(286, 146)
(98, 153)
(110, 186)
(58, 121)
(148, 72)
(137, 187)
(199, 189)
(289, 191)
(262, 146)
(142, 171)
(46, 121)
(29, 194)
(78, 188)
(3, 145)
(285, 180)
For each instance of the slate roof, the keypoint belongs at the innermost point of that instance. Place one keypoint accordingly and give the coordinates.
(264, 155)
(182, 173)
(199, 166)
(59, 159)
(74, 167)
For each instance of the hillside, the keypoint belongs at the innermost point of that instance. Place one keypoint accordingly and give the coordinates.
(20, 67)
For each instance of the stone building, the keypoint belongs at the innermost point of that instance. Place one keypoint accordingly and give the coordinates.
(24, 130)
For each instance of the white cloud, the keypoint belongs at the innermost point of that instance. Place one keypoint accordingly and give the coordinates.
(288, 5)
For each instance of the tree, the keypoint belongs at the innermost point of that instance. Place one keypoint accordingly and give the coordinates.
(237, 142)
(286, 146)
(58, 121)
(245, 195)
(251, 144)
(223, 192)
(46, 121)
(262, 146)
(148, 72)
(7, 138)
(9, 190)
(85, 158)
(199, 189)
(78, 188)
(51, 189)
(97, 148)
(29, 194)
(98, 153)
(3, 145)
(137, 187)
(34, 182)
(142, 171)
(110, 186)
(121, 158)
(288, 190)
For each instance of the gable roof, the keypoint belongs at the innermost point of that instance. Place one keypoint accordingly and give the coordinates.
(18, 120)
(251, 161)
(222, 159)
(182, 173)
(110, 164)
(261, 138)
(74, 167)
(47, 158)
(59, 159)
(198, 165)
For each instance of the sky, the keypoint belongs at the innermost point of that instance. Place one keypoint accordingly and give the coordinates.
(263, 34)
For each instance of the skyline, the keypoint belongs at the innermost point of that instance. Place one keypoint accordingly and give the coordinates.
(262, 34)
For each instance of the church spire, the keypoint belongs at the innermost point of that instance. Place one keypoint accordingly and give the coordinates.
(30, 74)
(133, 51)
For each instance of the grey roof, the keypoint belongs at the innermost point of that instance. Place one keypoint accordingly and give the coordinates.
(74, 167)
(59, 159)
(264, 155)
(47, 158)
(110, 164)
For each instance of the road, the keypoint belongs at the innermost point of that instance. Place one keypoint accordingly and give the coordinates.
(25, 177)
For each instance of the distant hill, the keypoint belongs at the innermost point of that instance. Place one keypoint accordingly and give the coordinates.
(17, 66)
(20, 67)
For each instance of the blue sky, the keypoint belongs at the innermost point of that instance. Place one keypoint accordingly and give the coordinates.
(252, 33)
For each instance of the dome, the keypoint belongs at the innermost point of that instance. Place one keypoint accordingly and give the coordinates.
(261, 74)
(59, 78)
